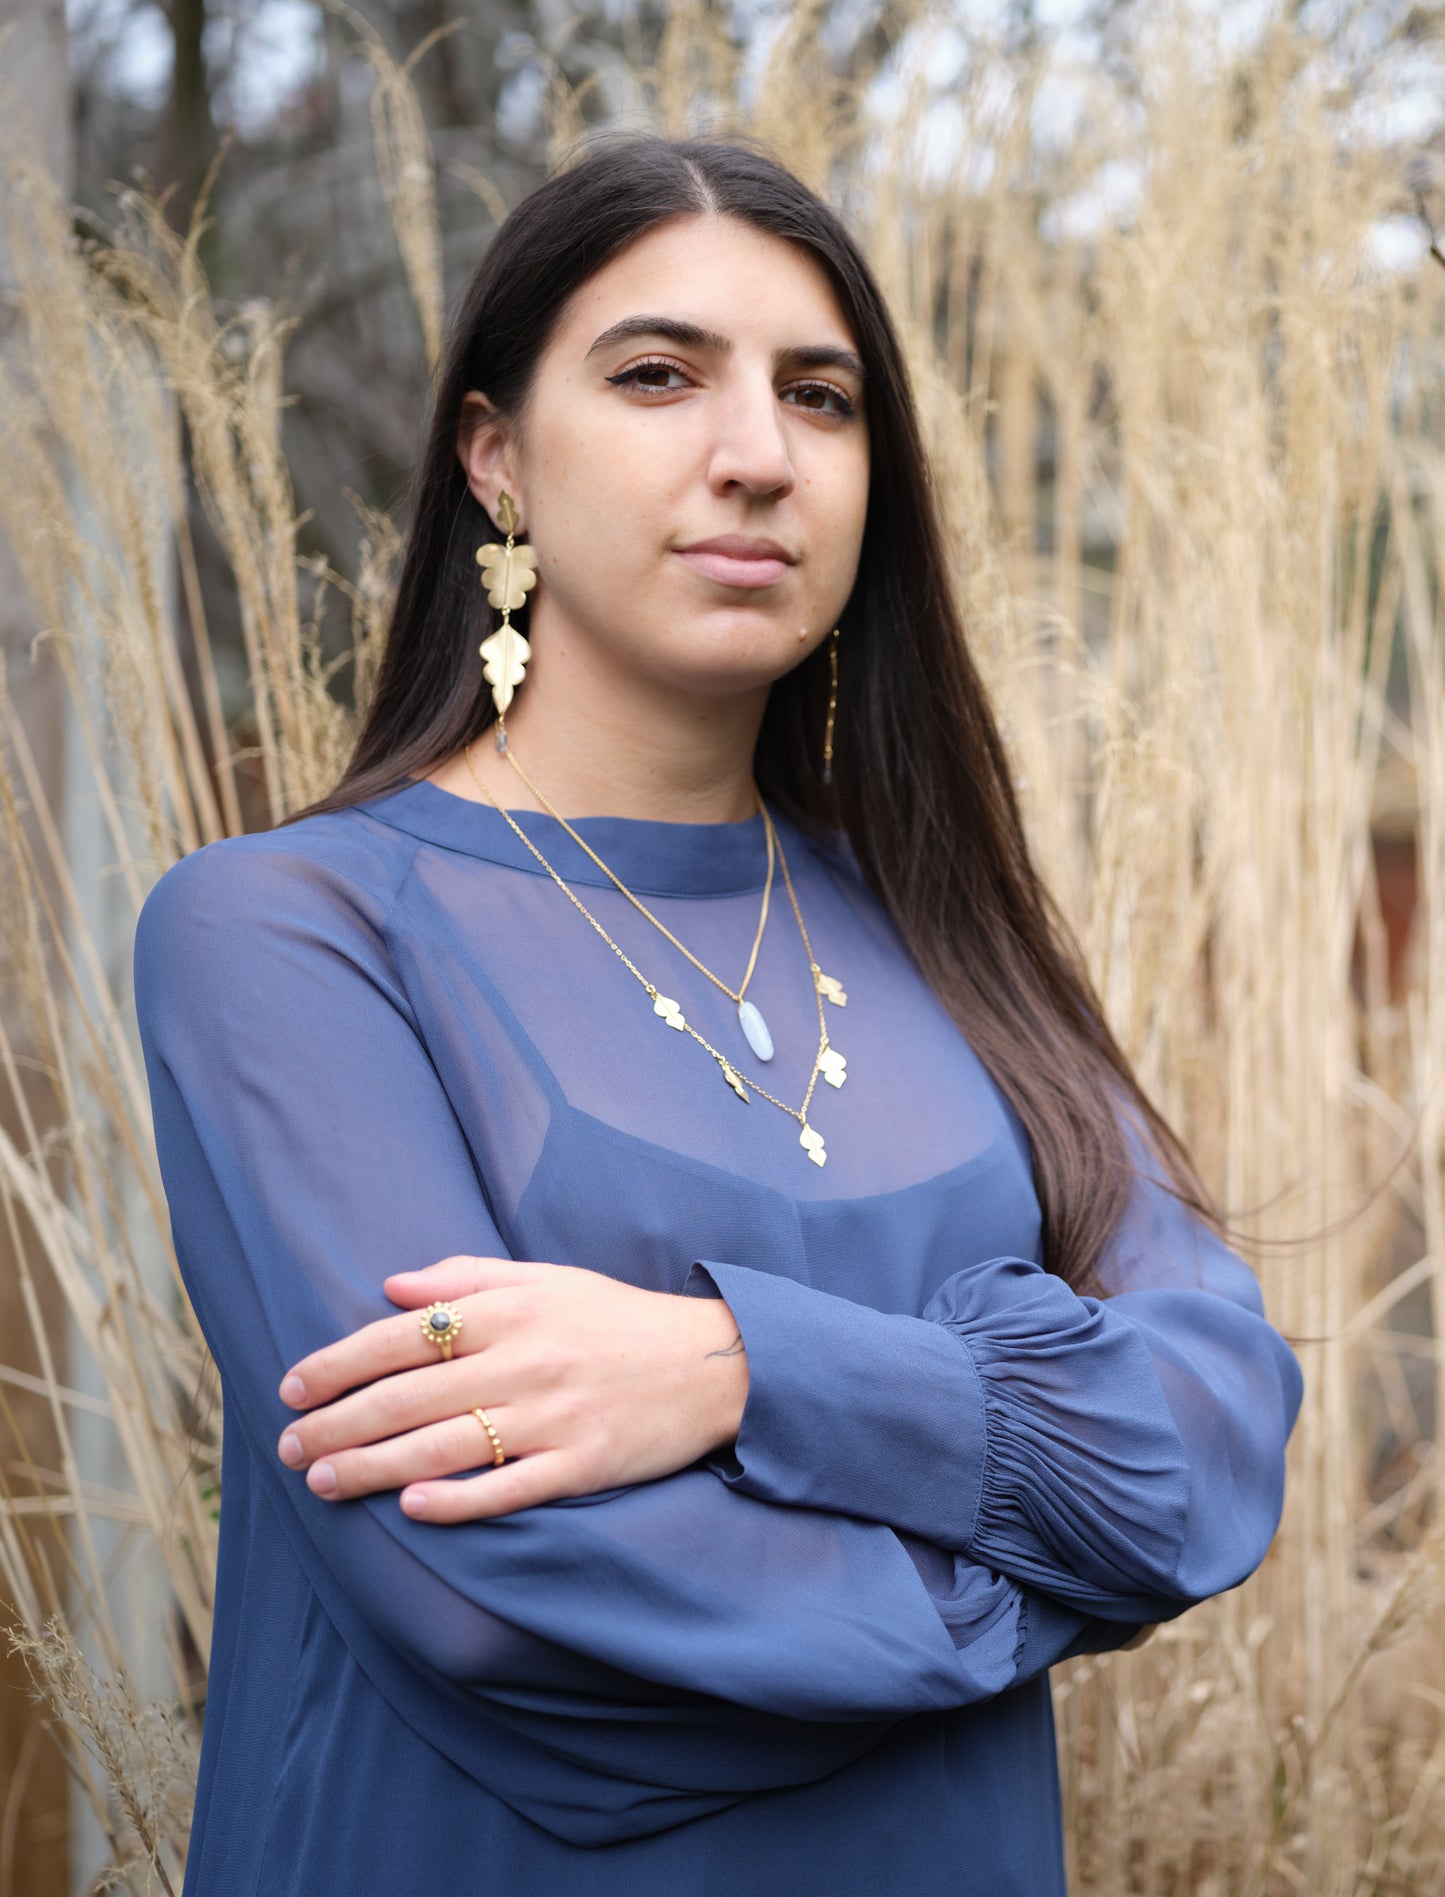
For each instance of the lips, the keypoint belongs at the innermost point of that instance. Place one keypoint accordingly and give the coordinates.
(737, 560)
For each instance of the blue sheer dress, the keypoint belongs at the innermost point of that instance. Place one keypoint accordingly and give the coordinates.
(814, 1662)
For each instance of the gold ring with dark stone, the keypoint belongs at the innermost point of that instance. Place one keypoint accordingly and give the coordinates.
(439, 1325)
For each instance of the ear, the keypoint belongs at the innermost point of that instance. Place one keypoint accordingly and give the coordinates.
(485, 452)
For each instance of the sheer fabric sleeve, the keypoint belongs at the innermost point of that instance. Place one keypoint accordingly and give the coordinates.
(634, 1636)
(1123, 1454)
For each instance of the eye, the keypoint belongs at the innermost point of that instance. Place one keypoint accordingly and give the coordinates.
(845, 403)
(632, 377)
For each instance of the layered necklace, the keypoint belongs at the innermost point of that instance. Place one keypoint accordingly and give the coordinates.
(827, 1061)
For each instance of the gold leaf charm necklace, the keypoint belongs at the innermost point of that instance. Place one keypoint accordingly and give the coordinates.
(828, 1061)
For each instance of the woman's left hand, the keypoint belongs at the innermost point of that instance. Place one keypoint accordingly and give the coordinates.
(591, 1383)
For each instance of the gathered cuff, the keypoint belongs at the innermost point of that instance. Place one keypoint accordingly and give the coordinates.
(851, 1409)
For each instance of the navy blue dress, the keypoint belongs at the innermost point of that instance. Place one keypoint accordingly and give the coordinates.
(814, 1662)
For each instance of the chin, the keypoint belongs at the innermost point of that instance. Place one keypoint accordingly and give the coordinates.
(725, 676)
(743, 656)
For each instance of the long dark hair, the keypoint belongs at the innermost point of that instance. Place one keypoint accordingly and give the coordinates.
(921, 784)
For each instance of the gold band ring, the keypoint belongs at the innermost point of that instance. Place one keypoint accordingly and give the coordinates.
(486, 1422)
(439, 1325)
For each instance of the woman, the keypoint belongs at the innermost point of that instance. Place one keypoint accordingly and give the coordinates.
(706, 1315)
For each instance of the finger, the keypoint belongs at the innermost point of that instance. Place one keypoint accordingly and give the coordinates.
(388, 1407)
(458, 1278)
(378, 1349)
(542, 1477)
(438, 1449)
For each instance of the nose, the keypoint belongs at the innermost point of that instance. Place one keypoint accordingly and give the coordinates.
(750, 449)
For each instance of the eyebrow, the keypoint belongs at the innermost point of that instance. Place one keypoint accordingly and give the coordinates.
(694, 336)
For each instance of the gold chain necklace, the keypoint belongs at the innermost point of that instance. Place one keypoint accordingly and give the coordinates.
(827, 1061)
(750, 1018)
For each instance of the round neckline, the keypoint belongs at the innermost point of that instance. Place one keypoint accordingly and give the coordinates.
(653, 856)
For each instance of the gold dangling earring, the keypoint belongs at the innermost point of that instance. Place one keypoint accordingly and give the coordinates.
(832, 707)
(508, 573)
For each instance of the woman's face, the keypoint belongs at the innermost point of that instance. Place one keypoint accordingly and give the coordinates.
(703, 385)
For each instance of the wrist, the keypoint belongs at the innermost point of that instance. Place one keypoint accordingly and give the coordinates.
(722, 1366)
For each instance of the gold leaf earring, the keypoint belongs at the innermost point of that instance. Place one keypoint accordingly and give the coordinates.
(832, 707)
(508, 573)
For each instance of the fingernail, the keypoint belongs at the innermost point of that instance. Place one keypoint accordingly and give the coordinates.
(414, 1501)
(322, 1478)
(291, 1450)
(293, 1390)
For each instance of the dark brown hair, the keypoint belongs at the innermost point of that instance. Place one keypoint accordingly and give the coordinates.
(921, 785)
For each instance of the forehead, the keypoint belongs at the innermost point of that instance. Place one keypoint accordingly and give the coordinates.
(719, 272)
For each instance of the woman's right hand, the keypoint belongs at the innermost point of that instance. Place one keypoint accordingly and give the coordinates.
(591, 1383)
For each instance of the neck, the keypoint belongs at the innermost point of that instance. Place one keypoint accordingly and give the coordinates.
(598, 741)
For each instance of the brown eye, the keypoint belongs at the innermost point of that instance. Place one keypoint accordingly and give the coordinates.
(822, 390)
(632, 377)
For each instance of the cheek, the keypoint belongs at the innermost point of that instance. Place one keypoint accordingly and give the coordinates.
(608, 500)
(592, 538)
(836, 503)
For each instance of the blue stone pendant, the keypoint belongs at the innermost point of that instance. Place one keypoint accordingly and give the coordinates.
(755, 1028)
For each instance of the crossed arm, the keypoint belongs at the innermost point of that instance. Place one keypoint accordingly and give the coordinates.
(590, 1382)
(1027, 1473)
